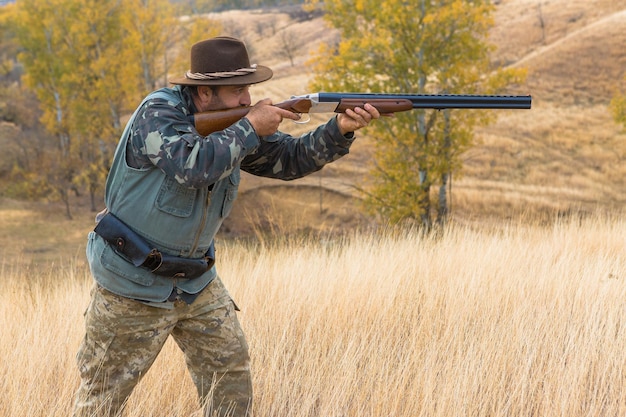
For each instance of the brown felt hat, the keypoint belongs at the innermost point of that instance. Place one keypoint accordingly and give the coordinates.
(222, 61)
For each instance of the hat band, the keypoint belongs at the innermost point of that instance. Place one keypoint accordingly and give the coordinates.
(218, 75)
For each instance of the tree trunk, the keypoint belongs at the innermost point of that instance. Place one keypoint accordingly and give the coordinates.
(424, 203)
(65, 197)
(442, 209)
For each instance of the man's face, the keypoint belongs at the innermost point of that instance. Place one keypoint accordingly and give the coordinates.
(226, 97)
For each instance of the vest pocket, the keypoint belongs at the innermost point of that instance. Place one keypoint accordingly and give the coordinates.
(115, 263)
(175, 199)
(111, 271)
(232, 188)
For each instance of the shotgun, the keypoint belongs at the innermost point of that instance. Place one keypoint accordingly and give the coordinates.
(213, 121)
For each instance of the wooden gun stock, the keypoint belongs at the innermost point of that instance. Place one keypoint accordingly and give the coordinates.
(213, 121)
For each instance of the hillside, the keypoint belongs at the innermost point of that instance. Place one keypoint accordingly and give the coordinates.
(564, 156)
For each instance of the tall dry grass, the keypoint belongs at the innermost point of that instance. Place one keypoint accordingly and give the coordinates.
(514, 321)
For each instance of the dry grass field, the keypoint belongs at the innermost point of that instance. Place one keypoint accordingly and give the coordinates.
(515, 321)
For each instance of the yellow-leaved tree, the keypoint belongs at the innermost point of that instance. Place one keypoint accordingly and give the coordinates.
(89, 63)
(416, 47)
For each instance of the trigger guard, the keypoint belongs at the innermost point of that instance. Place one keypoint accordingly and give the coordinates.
(301, 122)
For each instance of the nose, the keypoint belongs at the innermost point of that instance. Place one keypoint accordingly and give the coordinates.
(245, 99)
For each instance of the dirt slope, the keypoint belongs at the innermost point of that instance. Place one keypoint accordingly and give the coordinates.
(565, 155)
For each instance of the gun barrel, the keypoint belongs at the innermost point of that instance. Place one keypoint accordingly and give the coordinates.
(440, 101)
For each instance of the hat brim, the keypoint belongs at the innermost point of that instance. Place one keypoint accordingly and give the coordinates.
(261, 74)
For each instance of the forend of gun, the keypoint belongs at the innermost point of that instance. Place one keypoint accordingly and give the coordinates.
(213, 121)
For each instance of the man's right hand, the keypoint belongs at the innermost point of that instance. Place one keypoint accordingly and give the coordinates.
(265, 118)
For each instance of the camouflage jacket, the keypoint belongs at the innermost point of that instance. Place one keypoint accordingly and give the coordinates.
(175, 187)
(163, 136)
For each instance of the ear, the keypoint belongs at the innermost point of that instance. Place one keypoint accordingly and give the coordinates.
(205, 92)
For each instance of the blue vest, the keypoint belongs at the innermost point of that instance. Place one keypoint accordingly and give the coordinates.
(175, 219)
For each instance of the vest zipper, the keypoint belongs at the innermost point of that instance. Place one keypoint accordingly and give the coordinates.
(202, 223)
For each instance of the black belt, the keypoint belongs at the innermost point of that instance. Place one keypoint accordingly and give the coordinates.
(135, 249)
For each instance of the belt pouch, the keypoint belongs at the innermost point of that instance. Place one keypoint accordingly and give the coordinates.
(123, 239)
(185, 267)
(174, 266)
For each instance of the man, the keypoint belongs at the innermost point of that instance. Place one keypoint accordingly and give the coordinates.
(167, 194)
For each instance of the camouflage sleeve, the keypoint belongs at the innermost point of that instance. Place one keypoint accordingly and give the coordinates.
(163, 136)
(286, 157)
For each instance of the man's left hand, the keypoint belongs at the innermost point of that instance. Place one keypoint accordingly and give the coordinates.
(356, 119)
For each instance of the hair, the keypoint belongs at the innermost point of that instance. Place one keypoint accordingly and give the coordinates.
(193, 89)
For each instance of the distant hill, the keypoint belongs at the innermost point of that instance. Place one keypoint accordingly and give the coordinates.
(564, 156)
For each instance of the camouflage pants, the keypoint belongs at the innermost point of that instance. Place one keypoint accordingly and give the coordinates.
(123, 338)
